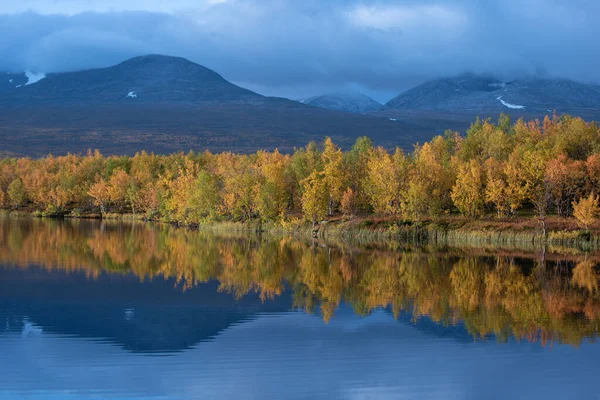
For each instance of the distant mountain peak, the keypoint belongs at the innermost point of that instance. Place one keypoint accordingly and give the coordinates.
(475, 93)
(347, 101)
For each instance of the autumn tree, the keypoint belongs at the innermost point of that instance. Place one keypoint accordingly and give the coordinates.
(356, 161)
(430, 180)
(120, 189)
(536, 183)
(203, 197)
(382, 184)
(585, 210)
(467, 192)
(333, 172)
(273, 185)
(516, 188)
(148, 199)
(315, 199)
(567, 180)
(100, 193)
(496, 190)
(16, 193)
(592, 169)
(303, 162)
(348, 204)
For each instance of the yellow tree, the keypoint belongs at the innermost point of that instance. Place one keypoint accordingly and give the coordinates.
(17, 193)
(203, 197)
(586, 211)
(381, 185)
(431, 179)
(496, 187)
(567, 180)
(314, 197)
(333, 172)
(537, 187)
(356, 163)
(148, 199)
(118, 186)
(100, 193)
(240, 177)
(348, 203)
(516, 186)
(467, 192)
(273, 190)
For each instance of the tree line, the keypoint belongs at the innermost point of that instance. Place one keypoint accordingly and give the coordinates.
(541, 166)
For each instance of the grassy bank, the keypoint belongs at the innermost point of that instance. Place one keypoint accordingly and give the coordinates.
(453, 231)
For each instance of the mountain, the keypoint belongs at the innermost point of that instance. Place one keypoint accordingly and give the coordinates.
(166, 104)
(344, 101)
(473, 93)
(453, 103)
(169, 104)
(145, 79)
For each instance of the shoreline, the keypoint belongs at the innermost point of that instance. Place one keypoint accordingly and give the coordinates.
(452, 231)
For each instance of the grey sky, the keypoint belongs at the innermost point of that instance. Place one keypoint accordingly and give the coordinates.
(299, 48)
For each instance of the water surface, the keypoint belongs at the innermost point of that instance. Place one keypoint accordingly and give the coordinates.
(129, 311)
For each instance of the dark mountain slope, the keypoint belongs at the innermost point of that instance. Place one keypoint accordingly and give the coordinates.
(166, 104)
(145, 79)
(469, 93)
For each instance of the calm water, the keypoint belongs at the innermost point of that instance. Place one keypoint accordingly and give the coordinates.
(94, 310)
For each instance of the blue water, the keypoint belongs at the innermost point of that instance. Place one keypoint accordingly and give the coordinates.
(68, 336)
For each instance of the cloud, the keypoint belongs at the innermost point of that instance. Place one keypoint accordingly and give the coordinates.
(296, 49)
(389, 18)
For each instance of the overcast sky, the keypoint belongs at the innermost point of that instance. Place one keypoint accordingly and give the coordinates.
(297, 48)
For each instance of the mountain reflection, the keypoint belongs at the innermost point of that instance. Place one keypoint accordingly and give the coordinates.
(546, 296)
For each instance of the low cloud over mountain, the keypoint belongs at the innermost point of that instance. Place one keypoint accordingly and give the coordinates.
(300, 49)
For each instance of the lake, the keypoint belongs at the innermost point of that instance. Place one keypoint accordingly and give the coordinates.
(115, 310)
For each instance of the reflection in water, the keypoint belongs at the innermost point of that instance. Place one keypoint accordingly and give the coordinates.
(94, 309)
(533, 297)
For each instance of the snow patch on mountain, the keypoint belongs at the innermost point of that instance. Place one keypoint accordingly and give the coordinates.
(33, 78)
(513, 106)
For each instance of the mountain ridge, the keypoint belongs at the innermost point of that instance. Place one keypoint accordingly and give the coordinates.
(149, 78)
(478, 93)
(169, 104)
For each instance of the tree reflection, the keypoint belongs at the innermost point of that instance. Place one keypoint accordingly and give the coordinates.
(548, 298)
